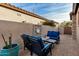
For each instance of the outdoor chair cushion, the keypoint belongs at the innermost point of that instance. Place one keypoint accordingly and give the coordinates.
(54, 35)
(36, 45)
(39, 47)
(39, 39)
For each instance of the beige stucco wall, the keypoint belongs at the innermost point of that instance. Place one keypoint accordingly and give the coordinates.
(11, 15)
(77, 24)
(45, 29)
(61, 29)
(16, 29)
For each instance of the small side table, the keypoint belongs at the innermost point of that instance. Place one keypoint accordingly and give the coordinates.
(49, 40)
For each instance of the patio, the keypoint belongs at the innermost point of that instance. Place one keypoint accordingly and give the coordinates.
(67, 47)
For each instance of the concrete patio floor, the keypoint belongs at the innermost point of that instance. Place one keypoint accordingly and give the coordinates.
(67, 47)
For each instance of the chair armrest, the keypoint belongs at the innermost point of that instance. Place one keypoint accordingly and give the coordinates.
(47, 46)
(54, 37)
(44, 35)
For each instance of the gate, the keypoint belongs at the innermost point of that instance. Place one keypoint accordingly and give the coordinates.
(67, 30)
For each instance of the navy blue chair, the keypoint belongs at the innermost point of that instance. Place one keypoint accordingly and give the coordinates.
(27, 42)
(35, 45)
(55, 35)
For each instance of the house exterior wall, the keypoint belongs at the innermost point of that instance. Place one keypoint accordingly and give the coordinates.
(74, 36)
(11, 15)
(77, 25)
(16, 29)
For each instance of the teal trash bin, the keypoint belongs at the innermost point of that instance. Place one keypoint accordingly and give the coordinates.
(10, 52)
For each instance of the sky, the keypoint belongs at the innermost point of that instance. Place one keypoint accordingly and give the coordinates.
(53, 11)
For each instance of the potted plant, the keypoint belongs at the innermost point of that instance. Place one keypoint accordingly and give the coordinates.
(9, 49)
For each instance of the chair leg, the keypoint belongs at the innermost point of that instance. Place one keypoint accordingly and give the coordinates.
(31, 53)
(50, 50)
(24, 45)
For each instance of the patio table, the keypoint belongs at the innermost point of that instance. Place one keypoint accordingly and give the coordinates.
(48, 40)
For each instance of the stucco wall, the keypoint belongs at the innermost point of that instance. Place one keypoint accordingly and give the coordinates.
(16, 29)
(61, 29)
(74, 26)
(10, 15)
(45, 29)
(77, 24)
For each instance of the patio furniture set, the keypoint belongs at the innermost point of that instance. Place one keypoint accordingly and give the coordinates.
(39, 45)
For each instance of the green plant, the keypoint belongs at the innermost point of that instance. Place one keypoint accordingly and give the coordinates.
(66, 24)
(7, 46)
(49, 23)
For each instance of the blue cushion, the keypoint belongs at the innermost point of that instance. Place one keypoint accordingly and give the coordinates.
(39, 39)
(55, 38)
(53, 34)
(25, 37)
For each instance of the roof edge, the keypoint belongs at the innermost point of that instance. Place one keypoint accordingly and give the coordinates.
(12, 7)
